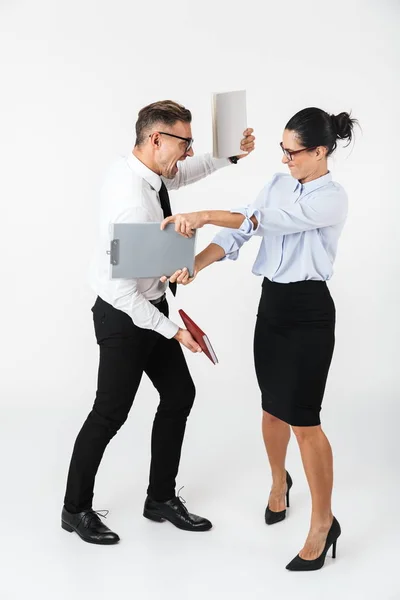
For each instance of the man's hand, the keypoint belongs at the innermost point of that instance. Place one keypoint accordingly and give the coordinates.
(186, 223)
(185, 338)
(247, 143)
(182, 277)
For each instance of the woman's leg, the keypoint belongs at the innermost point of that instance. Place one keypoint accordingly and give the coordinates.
(276, 434)
(316, 454)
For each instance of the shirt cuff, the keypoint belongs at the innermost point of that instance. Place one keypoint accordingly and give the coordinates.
(247, 228)
(227, 245)
(167, 328)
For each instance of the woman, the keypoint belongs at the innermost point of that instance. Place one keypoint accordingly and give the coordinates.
(299, 217)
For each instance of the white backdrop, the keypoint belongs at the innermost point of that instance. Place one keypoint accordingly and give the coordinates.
(73, 76)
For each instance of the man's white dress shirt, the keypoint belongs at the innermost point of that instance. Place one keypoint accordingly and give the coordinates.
(130, 195)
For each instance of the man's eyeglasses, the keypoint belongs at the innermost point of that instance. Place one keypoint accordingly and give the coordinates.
(189, 141)
(290, 153)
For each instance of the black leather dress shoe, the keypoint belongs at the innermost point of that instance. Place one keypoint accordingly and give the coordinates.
(88, 526)
(174, 511)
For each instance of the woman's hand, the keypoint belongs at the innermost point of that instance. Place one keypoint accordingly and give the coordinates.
(186, 223)
(181, 277)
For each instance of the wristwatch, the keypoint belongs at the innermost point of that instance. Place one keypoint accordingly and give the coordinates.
(233, 159)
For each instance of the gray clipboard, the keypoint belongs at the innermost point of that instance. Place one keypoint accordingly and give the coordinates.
(142, 250)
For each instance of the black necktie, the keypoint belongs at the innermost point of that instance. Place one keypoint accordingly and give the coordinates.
(166, 207)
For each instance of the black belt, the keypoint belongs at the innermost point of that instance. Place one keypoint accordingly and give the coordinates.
(159, 300)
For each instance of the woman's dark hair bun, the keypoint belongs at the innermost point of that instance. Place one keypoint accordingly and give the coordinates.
(343, 125)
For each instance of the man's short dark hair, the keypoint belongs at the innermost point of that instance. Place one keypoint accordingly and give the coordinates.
(165, 112)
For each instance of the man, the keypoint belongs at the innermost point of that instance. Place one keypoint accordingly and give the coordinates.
(133, 330)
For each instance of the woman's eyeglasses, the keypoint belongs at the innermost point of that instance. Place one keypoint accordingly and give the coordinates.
(290, 153)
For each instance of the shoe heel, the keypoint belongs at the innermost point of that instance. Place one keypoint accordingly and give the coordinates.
(152, 516)
(289, 484)
(66, 527)
(334, 549)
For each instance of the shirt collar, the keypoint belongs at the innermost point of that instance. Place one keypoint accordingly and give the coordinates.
(310, 186)
(147, 174)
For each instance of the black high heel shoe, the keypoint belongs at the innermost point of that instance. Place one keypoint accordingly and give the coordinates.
(272, 517)
(299, 564)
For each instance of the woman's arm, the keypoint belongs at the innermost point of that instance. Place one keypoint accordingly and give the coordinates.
(317, 210)
(208, 256)
(186, 223)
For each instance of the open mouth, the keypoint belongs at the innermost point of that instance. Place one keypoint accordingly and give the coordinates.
(175, 167)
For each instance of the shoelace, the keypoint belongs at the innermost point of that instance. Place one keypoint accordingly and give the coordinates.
(180, 497)
(182, 500)
(93, 514)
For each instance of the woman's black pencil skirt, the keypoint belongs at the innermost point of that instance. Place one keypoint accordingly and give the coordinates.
(293, 346)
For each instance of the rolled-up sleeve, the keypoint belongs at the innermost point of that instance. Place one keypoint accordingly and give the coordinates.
(231, 240)
(313, 212)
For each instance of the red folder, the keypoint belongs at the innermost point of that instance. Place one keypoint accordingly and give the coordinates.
(200, 337)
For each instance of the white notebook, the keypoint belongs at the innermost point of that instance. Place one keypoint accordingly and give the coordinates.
(229, 120)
